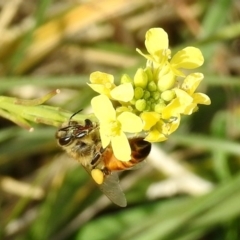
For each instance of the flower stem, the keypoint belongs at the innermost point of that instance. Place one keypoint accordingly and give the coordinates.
(22, 111)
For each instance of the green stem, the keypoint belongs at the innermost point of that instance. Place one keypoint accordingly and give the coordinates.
(20, 111)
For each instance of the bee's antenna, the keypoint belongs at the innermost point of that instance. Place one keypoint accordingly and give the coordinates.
(75, 114)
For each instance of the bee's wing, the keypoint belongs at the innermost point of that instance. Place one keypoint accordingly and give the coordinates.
(112, 189)
(138, 165)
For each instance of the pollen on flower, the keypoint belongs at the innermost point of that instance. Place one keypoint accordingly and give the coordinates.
(114, 128)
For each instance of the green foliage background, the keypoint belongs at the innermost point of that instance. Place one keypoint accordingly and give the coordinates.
(47, 45)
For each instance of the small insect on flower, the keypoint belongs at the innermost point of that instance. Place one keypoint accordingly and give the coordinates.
(83, 143)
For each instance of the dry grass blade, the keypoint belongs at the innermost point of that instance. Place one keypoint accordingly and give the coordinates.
(49, 36)
(21, 189)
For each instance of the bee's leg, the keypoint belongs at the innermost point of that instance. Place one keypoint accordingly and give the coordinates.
(96, 158)
(106, 171)
(102, 150)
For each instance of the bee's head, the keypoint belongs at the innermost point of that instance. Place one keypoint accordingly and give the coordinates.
(73, 130)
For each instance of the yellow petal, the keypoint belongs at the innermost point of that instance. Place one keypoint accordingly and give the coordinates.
(156, 40)
(189, 109)
(174, 124)
(121, 148)
(105, 139)
(155, 136)
(101, 78)
(201, 98)
(123, 92)
(189, 58)
(183, 96)
(103, 108)
(177, 72)
(172, 109)
(149, 119)
(130, 122)
(191, 82)
(99, 88)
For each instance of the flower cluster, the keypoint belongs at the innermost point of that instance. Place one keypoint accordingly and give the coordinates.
(150, 103)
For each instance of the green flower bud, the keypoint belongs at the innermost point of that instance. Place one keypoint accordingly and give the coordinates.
(148, 107)
(159, 107)
(149, 73)
(156, 95)
(151, 100)
(140, 78)
(152, 86)
(140, 105)
(160, 101)
(168, 95)
(138, 92)
(153, 106)
(146, 94)
(126, 79)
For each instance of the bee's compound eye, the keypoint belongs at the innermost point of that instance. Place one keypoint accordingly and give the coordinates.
(65, 140)
(81, 134)
(97, 175)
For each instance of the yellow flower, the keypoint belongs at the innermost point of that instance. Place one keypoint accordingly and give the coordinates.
(190, 85)
(103, 83)
(155, 136)
(157, 46)
(156, 42)
(186, 100)
(168, 127)
(162, 130)
(178, 105)
(149, 119)
(188, 58)
(153, 100)
(112, 127)
(159, 130)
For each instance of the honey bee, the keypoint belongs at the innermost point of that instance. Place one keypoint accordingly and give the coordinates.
(83, 143)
